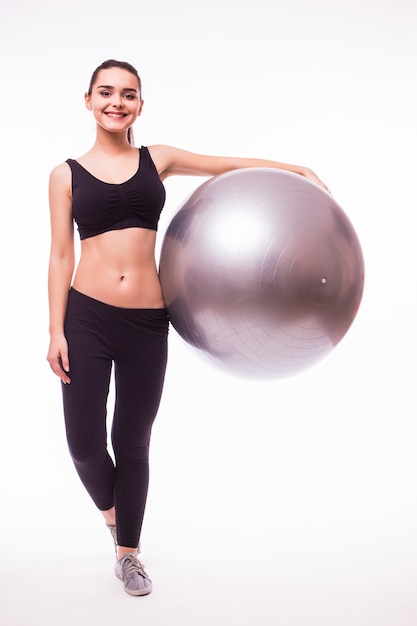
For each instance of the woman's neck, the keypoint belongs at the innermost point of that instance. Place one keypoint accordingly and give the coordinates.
(111, 143)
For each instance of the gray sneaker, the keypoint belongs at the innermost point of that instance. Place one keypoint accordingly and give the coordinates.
(131, 572)
(113, 533)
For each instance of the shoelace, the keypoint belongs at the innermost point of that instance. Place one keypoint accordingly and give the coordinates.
(133, 566)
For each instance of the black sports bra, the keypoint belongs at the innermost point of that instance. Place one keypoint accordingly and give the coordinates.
(98, 207)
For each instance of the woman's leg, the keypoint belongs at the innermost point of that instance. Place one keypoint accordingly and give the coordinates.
(85, 399)
(139, 376)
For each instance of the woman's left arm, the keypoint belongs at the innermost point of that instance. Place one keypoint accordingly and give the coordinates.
(171, 161)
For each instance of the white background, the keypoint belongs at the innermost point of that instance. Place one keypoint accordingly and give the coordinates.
(289, 502)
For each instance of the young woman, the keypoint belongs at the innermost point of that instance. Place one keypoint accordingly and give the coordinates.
(111, 312)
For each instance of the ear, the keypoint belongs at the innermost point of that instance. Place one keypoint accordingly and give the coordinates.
(87, 100)
(142, 102)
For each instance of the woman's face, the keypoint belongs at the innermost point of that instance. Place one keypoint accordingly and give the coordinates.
(115, 99)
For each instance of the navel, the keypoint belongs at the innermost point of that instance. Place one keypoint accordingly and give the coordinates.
(122, 277)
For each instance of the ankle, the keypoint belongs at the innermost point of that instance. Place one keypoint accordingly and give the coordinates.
(122, 550)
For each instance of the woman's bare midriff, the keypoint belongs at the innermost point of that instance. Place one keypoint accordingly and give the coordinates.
(119, 268)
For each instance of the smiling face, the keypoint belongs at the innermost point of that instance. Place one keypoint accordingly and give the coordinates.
(115, 99)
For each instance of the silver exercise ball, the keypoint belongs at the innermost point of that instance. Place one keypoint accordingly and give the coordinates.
(262, 272)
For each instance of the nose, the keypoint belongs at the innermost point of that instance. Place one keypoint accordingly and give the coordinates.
(117, 101)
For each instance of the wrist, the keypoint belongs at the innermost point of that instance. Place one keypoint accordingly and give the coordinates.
(56, 332)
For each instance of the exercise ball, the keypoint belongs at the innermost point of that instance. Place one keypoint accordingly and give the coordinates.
(262, 272)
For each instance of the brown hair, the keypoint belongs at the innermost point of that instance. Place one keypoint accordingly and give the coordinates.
(124, 66)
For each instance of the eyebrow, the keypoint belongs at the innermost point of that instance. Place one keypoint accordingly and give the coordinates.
(111, 87)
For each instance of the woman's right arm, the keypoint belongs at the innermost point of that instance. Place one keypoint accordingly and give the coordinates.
(61, 267)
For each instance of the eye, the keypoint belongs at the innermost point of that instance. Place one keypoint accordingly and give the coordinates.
(105, 93)
(130, 96)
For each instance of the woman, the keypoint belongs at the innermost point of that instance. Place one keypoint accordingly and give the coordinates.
(111, 312)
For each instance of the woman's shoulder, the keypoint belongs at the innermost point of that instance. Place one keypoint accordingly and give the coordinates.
(159, 148)
(60, 175)
(162, 156)
(62, 169)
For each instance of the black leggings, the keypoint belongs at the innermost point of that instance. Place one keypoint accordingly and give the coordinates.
(135, 340)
